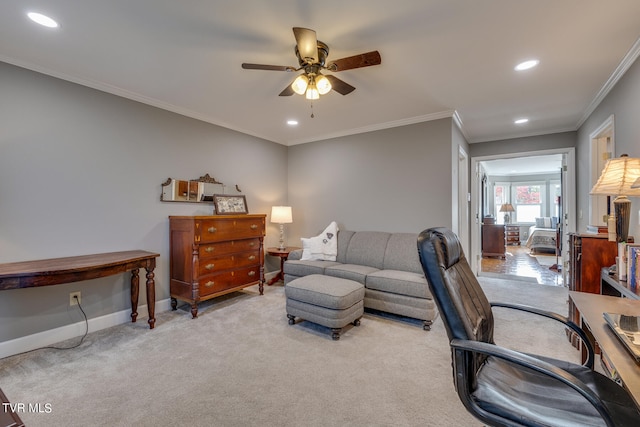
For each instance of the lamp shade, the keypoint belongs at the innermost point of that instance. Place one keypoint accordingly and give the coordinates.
(618, 177)
(507, 207)
(636, 184)
(281, 214)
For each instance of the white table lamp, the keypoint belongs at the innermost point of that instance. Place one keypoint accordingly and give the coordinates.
(281, 215)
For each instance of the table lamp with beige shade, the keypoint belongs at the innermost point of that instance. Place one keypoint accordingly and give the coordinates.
(620, 177)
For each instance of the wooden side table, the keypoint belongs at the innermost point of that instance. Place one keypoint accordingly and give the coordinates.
(283, 254)
(512, 234)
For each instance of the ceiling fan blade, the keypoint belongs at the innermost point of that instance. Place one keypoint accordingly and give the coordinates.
(357, 61)
(288, 91)
(340, 86)
(267, 67)
(307, 44)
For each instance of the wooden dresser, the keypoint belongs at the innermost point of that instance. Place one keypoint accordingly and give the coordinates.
(493, 240)
(588, 254)
(214, 255)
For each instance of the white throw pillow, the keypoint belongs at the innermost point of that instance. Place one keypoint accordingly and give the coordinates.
(323, 247)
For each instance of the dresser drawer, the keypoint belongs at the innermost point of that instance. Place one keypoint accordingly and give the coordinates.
(217, 264)
(219, 229)
(208, 250)
(228, 280)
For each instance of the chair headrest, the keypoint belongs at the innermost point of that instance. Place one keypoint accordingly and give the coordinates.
(448, 242)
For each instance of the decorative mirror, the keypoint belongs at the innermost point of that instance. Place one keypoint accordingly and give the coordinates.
(195, 190)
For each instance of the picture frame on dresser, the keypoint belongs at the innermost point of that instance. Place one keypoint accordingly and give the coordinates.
(225, 204)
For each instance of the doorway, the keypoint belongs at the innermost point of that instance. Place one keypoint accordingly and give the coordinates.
(514, 179)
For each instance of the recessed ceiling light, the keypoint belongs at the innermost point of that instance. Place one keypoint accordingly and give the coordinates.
(521, 121)
(292, 122)
(526, 65)
(42, 20)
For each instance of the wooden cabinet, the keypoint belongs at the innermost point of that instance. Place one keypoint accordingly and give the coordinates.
(588, 254)
(512, 233)
(493, 240)
(214, 255)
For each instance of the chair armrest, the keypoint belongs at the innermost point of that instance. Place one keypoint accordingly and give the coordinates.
(545, 368)
(559, 318)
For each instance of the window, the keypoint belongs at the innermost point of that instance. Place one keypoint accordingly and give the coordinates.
(500, 196)
(528, 202)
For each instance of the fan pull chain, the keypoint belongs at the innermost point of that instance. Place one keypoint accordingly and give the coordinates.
(312, 116)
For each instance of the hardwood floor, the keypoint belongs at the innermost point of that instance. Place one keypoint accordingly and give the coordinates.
(519, 262)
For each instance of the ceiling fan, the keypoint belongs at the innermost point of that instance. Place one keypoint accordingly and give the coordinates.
(312, 55)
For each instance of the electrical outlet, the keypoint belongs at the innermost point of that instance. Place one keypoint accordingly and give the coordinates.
(73, 300)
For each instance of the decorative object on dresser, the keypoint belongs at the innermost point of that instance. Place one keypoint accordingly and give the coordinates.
(214, 255)
(493, 240)
(512, 233)
(507, 208)
(617, 179)
(281, 215)
(230, 205)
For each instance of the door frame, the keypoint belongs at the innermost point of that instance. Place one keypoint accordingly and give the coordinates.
(568, 197)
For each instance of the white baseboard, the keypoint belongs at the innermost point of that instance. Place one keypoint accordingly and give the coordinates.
(52, 336)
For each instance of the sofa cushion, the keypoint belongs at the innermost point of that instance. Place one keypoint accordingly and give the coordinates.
(323, 246)
(402, 253)
(367, 248)
(399, 282)
(325, 291)
(305, 268)
(355, 272)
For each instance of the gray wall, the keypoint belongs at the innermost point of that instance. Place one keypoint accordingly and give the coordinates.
(396, 180)
(526, 144)
(624, 103)
(80, 173)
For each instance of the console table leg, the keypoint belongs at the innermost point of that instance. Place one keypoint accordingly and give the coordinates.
(151, 297)
(135, 289)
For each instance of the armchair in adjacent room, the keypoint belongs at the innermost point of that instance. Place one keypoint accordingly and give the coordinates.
(503, 387)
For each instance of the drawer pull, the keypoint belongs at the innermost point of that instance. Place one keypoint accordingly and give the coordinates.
(252, 257)
(252, 244)
(254, 226)
(212, 229)
(210, 249)
(209, 266)
(252, 273)
(210, 283)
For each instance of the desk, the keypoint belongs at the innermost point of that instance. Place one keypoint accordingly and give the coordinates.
(56, 271)
(591, 307)
(8, 418)
(283, 254)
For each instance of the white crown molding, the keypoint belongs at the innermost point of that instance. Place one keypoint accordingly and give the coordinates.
(377, 126)
(124, 93)
(617, 74)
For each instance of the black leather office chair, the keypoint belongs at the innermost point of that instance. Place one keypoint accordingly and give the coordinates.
(502, 387)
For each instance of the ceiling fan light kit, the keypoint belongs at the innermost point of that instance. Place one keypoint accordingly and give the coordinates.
(312, 55)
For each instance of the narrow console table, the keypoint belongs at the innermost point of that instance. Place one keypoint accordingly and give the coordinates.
(56, 271)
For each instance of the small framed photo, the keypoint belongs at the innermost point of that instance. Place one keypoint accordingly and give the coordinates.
(226, 204)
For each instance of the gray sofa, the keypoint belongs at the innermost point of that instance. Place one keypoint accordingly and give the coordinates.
(388, 266)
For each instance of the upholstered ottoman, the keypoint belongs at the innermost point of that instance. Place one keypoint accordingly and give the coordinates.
(328, 301)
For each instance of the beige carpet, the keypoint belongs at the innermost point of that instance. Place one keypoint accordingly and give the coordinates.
(241, 364)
